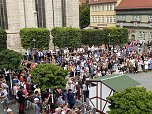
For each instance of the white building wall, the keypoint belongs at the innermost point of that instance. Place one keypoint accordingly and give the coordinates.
(72, 13)
(21, 14)
(57, 13)
(104, 91)
(49, 13)
(13, 40)
(19, 18)
(30, 12)
(13, 15)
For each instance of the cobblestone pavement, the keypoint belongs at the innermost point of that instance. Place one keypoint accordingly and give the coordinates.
(145, 80)
(15, 109)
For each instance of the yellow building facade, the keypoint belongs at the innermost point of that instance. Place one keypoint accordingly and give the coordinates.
(102, 13)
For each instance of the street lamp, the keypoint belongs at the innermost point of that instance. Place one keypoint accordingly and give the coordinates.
(34, 41)
(109, 35)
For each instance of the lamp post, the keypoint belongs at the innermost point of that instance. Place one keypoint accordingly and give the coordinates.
(109, 35)
(34, 41)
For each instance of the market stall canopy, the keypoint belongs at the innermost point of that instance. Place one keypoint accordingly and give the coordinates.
(116, 82)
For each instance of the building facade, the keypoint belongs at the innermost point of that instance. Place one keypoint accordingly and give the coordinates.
(18, 14)
(102, 13)
(136, 15)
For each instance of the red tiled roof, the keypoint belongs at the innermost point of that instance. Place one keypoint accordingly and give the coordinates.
(101, 1)
(83, 1)
(134, 4)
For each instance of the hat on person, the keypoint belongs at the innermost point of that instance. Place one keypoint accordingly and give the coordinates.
(36, 99)
(9, 110)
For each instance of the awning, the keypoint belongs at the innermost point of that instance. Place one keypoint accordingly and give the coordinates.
(116, 82)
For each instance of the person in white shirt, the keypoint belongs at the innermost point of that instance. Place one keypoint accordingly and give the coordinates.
(85, 90)
(15, 90)
(4, 85)
(3, 98)
(146, 65)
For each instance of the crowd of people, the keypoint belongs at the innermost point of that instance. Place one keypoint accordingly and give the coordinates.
(82, 64)
(98, 61)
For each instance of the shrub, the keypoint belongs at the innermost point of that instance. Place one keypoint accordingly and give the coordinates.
(115, 36)
(66, 37)
(72, 37)
(41, 35)
(92, 37)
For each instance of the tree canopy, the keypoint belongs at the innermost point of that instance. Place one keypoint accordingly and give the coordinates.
(10, 59)
(134, 100)
(48, 76)
(84, 11)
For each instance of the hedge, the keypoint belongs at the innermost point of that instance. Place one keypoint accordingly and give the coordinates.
(115, 36)
(92, 37)
(3, 39)
(41, 35)
(66, 37)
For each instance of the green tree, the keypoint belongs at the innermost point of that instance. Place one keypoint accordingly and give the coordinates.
(10, 59)
(41, 36)
(66, 37)
(3, 39)
(84, 11)
(48, 76)
(134, 100)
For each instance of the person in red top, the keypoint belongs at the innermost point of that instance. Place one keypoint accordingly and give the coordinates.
(78, 91)
(32, 65)
(27, 87)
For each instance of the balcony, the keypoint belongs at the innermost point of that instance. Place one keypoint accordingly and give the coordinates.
(134, 24)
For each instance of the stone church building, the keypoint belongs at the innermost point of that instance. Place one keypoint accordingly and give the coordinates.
(18, 14)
